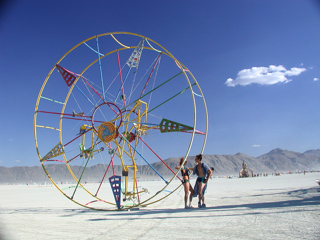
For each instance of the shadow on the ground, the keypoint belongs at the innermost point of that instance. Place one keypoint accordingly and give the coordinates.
(223, 210)
(304, 197)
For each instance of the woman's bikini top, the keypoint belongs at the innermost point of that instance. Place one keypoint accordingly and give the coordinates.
(185, 172)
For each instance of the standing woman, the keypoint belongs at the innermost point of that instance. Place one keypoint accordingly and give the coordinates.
(186, 184)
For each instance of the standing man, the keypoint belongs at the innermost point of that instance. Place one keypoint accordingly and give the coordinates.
(203, 172)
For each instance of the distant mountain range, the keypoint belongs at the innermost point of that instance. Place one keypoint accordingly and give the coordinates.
(277, 160)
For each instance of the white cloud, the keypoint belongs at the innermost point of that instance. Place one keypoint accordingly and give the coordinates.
(315, 79)
(256, 145)
(264, 75)
(295, 71)
(17, 161)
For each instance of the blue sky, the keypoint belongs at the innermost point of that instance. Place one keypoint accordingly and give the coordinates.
(257, 63)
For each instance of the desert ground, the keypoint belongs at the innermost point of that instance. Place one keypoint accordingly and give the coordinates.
(273, 207)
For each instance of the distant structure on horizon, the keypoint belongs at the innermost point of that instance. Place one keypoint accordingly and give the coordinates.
(244, 172)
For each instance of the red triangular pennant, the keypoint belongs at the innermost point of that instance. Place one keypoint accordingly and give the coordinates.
(67, 75)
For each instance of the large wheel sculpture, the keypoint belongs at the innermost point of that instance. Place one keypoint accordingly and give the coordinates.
(108, 114)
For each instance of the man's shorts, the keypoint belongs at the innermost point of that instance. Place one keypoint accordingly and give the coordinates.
(200, 179)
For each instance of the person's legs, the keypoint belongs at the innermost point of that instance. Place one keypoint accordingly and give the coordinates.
(186, 193)
(191, 194)
(204, 190)
(201, 192)
(200, 188)
(203, 204)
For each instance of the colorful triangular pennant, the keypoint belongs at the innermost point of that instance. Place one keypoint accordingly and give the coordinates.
(67, 75)
(171, 126)
(56, 151)
(115, 182)
(134, 59)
